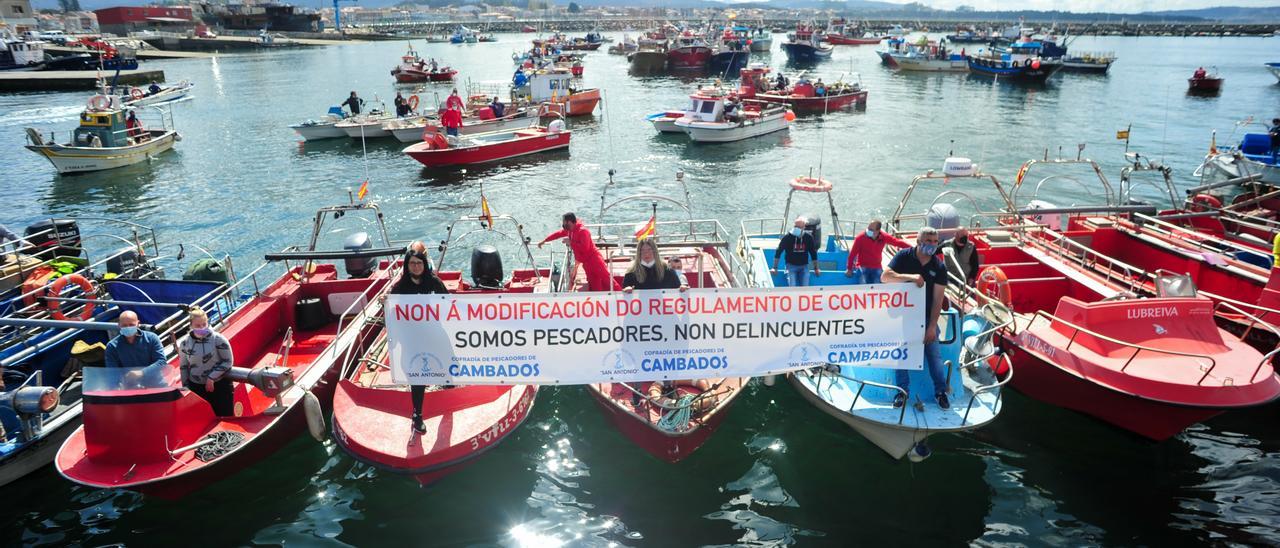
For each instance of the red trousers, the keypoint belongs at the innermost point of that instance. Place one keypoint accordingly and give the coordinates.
(598, 277)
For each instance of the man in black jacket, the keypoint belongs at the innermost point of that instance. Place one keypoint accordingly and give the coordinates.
(800, 249)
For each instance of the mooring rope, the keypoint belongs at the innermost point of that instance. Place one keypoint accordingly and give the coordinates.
(223, 442)
(677, 420)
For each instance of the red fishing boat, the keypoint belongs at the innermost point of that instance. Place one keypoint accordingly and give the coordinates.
(554, 88)
(372, 414)
(441, 151)
(413, 69)
(840, 34)
(143, 431)
(688, 51)
(1153, 366)
(1203, 82)
(669, 420)
(801, 96)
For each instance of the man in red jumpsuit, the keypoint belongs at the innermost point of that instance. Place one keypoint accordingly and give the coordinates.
(454, 101)
(585, 252)
(451, 119)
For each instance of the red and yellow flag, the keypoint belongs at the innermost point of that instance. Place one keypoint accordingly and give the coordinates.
(485, 213)
(649, 228)
(1022, 171)
(1213, 143)
(364, 189)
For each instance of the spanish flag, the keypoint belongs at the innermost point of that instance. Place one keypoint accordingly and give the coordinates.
(1213, 143)
(484, 211)
(1021, 172)
(364, 189)
(649, 228)
(1122, 135)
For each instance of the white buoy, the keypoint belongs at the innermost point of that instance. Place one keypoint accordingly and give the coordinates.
(315, 416)
(769, 380)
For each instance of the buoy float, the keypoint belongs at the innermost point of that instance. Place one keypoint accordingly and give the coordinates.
(1035, 65)
(993, 283)
(55, 290)
(790, 116)
(413, 102)
(315, 416)
(136, 93)
(811, 184)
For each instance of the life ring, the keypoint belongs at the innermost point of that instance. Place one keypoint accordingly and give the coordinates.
(136, 93)
(55, 307)
(34, 287)
(413, 102)
(439, 141)
(1204, 202)
(993, 283)
(811, 184)
(1026, 63)
(99, 102)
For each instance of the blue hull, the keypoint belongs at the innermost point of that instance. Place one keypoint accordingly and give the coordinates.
(1019, 73)
(805, 53)
(729, 62)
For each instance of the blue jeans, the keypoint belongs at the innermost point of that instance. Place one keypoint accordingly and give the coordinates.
(797, 275)
(932, 363)
(451, 131)
(866, 275)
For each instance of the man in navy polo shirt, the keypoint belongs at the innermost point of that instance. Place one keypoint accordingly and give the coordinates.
(920, 265)
(133, 347)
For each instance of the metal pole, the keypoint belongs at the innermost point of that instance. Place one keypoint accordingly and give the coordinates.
(1236, 181)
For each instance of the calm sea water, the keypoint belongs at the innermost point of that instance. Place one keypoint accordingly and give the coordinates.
(778, 472)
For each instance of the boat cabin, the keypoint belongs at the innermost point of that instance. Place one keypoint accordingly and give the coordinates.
(18, 53)
(545, 85)
(706, 106)
(101, 128)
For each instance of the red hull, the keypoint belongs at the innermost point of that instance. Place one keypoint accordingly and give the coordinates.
(415, 76)
(373, 426)
(1204, 84)
(663, 445)
(525, 142)
(1052, 384)
(688, 58)
(580, 47)
(817, 104)
(842, 40)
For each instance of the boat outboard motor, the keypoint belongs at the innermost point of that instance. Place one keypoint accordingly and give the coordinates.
(1054, 222)
(486, 267)
(813, 225)
(54, 237)
(271, 380)
(359, 267)
(943, 217)
(30, 403)
(126, 263)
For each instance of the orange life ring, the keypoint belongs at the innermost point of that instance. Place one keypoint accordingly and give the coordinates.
(1204, 202)
(413, 102)
(34, 287)
(993, 283)
(811, 184)
(439, 141)
(99, 102)
(136, 93)
(55, 307)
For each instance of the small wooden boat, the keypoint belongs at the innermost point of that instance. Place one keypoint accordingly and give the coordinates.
(441, 151)
(1203, 82)
(413, 69)
(802, 95)
(668, 420)
(103, 140)
(144, 432)
(372, 413)
(805, 45)
(839, 33)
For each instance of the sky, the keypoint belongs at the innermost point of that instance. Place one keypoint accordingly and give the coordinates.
(1111, 6)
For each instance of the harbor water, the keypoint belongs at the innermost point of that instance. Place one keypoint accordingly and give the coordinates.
(778, 471)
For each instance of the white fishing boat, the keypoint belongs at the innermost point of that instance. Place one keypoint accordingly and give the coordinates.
(366, 126)
(103, 140)
(409, 130)
(1275, 69)
(923, 56)
(707, 122)
(323, 128)
(141, 97)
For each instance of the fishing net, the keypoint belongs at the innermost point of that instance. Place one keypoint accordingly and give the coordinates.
(223, 442)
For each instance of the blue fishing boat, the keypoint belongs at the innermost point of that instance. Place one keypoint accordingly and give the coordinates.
(731, 52)
(45, 345)
(864, 397)
(1252, 157)
(1020, 62)
(805, 45)
(1275, 70)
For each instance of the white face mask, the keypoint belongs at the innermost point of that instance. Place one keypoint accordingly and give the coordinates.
(872, 233)
(797, 232)
(647, 264)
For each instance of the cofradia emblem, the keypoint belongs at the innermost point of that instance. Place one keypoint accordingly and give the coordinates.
(806, 355)
(425, 364)
(618, 362)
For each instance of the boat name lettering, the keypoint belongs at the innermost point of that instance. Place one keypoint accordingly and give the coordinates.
(491, 370)
(508, 422)
(1152, 312)
(865, 356)
(1033, 342)
(684, 364)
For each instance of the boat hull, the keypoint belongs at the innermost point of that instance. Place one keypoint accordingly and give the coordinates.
(896, 442)
(813, 105)
(645, 62)
(667, 446)
(67, 159)
(467, 155)
(726, 132)
(1204, 85)
(761, 45)
(413, 133)
(842, 40)
(922, 64)
(171, 94)
(690, 58)
(40, 453)
(805, 52)
(581, 103)
(318, 132)
(729, 61)
(1019, 73)
(369, 130)
(1275, 70)
(1086, 66)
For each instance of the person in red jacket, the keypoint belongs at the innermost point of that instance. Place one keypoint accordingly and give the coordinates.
(451, 119)
(585, 252)
(867, 254)
(454, 101)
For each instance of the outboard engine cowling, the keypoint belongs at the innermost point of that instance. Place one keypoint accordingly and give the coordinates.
(124, 263)
(486, 267)
(62, 236)
(359, 267)
(813, 225)
(942, 217)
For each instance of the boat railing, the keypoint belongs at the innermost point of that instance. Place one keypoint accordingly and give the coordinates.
(896, 221)
(832, 370)
(1194, 238)
(1238, 307)
(1137, 348)
(1065, 248)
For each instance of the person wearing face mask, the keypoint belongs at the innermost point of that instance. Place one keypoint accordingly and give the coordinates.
(965, 253)
(205, 360)
(584, 251)
(649, 271)
(418, 279)
(867, 254)
(920, 265)
(133, 347)
(800, 249)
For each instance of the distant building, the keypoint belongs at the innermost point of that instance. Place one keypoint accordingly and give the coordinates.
(19, 15)
(80, 22)
(273, 17)
(125, 19)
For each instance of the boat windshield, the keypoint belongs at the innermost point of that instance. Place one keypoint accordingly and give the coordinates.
(107, 380)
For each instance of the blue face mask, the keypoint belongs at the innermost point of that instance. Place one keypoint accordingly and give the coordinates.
(201, 332)
(872, 233)
(929, 249)
(131, 331)
(797, 232)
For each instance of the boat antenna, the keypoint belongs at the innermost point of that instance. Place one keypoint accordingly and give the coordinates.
(951, 151)
(604, 107)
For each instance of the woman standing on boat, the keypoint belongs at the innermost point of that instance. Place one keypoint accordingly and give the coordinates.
(649, 271)
(417, 279)
(205, 360)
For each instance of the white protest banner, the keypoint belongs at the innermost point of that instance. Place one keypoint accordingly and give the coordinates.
(582, 338)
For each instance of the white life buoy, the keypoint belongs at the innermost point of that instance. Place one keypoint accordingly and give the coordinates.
(315, 416)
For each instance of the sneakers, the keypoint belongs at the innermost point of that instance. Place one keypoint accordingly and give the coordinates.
(419, 426)
(899, 400)
(943, 403)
